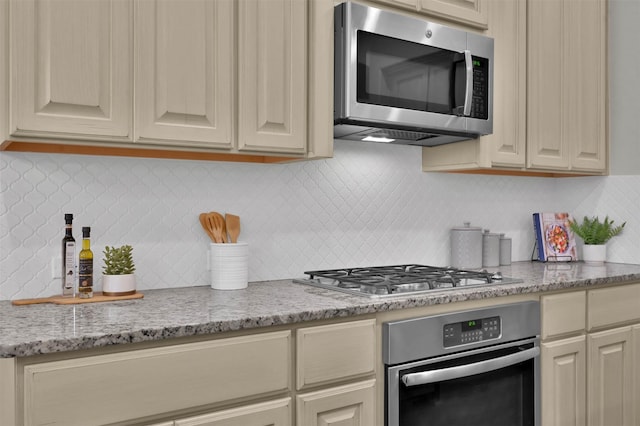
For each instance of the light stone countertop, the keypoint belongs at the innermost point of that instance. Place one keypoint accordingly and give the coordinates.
(180, 312)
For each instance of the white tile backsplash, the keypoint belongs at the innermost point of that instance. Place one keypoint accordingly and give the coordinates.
(369, 205)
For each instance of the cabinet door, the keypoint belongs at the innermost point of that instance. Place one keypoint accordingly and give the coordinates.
(563, 365)
(272, 413)
(185, 68)
(272, 73)
(610, 389)
(71, 69)
(147, 382)
(350, 405)
(567, 85)
(546, 95)
(585, 35)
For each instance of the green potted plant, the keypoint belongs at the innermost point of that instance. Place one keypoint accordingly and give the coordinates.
(595, 235)
(118, 272)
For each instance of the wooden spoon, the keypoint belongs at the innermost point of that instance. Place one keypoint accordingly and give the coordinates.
(205, 225)
(221, 226)
(216, 225)
(233, 226)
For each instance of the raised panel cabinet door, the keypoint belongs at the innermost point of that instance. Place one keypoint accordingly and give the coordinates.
(564, 391)
(349, 405)
(131, 385)
(585, 35)
(272, 413)
(71, 69)
(272, 73)
(185, 72)
(610, 388)
(546, 90)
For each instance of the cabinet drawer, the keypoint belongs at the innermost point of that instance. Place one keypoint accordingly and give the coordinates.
(110, 388)
(616, 305)
(563, 313)
(334, 352)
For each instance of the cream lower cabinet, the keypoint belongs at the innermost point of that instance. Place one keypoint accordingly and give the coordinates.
(330, 355)
(611, 365)
(564, 382)
(127, 387)
(272, 413)
(349, 405)
(221, 76)
(590, 357)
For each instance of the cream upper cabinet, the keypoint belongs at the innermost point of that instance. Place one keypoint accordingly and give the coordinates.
(567, 101)
(272, 70)
(550, 95)
(228, 76)
(506, 147)
(185, 72)
(467, 12)
(71, 70)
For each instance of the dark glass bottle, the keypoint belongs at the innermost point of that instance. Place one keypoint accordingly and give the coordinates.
(68, 258)
(85, 268)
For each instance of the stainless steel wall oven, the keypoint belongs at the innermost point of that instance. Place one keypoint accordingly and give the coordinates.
(471, 368)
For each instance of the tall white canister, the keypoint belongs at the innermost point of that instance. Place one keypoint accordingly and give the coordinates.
(466, 247)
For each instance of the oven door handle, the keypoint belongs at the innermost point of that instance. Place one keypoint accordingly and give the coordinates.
(425, 377)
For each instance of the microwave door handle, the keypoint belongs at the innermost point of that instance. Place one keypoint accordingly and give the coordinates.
(468, 91)
(425, 377)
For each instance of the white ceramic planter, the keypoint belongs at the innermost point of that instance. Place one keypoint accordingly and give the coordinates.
(594, 253)
(118, 285)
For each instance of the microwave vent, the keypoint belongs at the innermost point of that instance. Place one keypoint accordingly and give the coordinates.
(402, 134)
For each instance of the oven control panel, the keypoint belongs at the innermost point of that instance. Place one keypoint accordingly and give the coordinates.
(471, 331)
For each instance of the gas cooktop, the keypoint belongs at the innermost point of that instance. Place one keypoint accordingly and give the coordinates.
(381, 281)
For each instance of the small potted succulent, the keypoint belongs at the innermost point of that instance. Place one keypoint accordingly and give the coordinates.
(118, 272)
(595, 235)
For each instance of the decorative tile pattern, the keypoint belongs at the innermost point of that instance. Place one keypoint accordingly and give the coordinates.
(369, 205)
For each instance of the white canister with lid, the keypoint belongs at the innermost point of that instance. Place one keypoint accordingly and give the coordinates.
(505, 250)
(490, 249)
(466, 247)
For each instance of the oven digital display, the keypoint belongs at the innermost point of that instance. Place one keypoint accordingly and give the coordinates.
(471, 325)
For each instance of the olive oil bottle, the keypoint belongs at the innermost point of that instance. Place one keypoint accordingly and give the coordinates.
(68, 258)
(85, 269)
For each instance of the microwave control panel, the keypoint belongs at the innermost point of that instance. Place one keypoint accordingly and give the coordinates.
(471, 331)
(480, 103)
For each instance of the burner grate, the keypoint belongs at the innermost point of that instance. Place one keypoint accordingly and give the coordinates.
(400, 279)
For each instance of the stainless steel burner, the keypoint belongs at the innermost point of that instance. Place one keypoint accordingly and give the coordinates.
(401, 279)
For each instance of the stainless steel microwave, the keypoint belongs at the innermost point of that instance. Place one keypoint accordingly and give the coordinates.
(405, 80)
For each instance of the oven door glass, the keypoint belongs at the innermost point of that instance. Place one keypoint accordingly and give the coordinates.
(408, 75)
(502, 397)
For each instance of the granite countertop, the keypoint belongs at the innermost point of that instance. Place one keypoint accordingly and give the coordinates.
(179, 312)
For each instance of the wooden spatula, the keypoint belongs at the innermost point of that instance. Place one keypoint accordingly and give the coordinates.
(233, 226)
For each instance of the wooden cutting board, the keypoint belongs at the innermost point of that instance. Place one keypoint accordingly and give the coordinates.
(59, 300)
